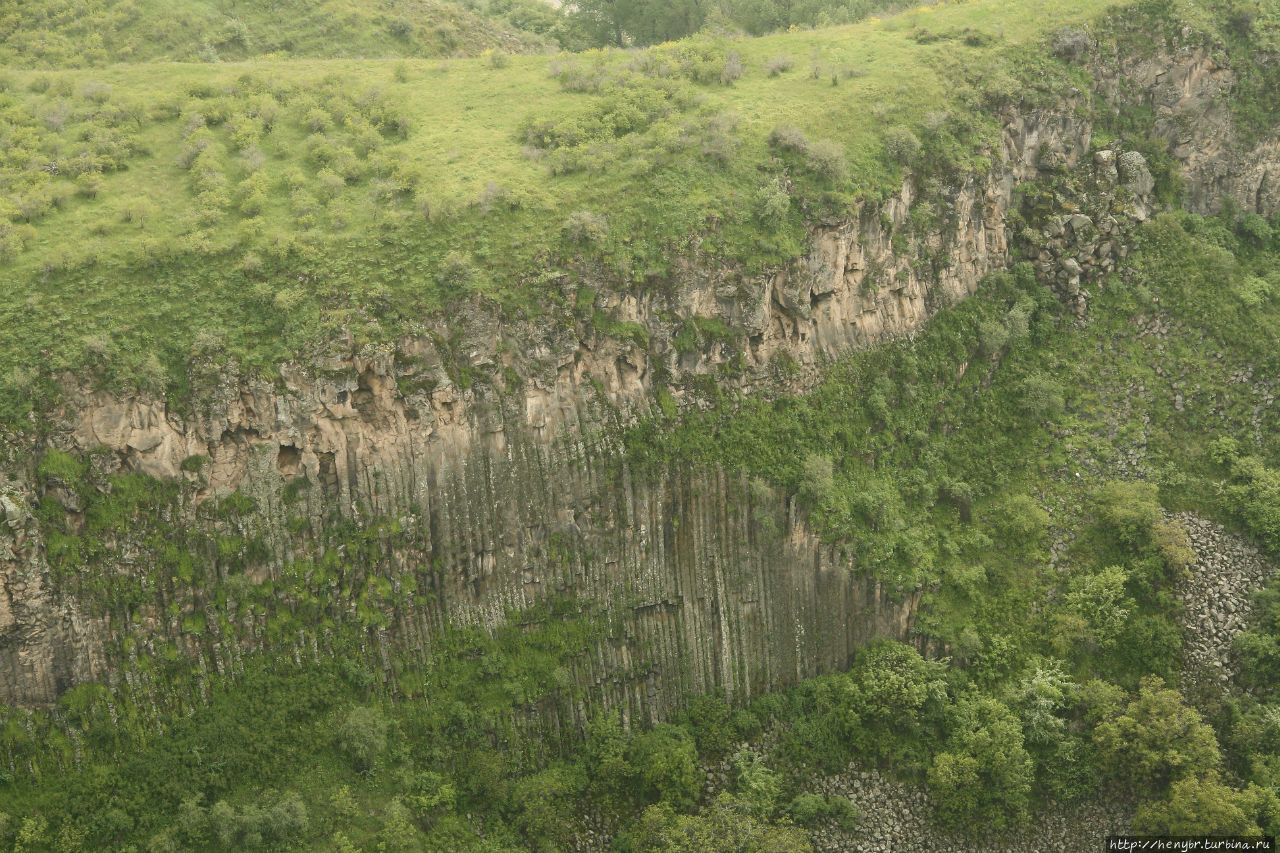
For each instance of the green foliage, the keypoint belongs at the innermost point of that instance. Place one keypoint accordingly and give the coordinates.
(1021, 518)
(1203, 805)
(60, 34)
(818, 484)
(1254, 495)
(811, 810)
(1258, 647)
(711, 719)
(757, 787)
(604, 757)
(826, 159)
(61, 466)
(1130, 510)
(362, 736)
(1099, 602)
(726, 825)
(237, 504)
(1255, 229)
(545, 804)
(891, 701)
(666, 762)
(1042, 697)
(983, 776)
(1156, 741)
(901, 145)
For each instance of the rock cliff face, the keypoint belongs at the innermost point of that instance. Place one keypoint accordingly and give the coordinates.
(1189, 93)
(482, 463)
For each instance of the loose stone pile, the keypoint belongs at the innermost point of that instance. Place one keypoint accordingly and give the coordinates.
(897, 817)
(1072, 247)
(1228, 570)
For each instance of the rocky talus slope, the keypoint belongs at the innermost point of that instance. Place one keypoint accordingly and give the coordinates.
(898, 818)
(1217, 597)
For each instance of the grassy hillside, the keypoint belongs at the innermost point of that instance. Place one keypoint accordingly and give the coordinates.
(148, 203)
(82, 33)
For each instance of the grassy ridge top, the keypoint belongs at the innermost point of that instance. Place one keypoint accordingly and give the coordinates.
(247, 206)
(81, 33)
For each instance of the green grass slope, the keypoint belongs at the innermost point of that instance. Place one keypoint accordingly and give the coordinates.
(146, 204)
(80, 33)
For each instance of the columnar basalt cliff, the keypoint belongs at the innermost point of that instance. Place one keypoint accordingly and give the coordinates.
(480, 469)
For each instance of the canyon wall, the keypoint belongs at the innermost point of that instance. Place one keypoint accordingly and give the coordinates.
(479, 469)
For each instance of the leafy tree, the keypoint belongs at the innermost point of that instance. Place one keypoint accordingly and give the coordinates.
(984, 775)
(1258, 648)
(1254, 495)
(430, 795)
(757, 786)
(1041, 698)
(890, 698)
(1150, 644)
(605, 756)
(1128, 510)
(398, 834)
(545, 804)
(362, 735)
(1100, 602)
(817, 483)
(668, 765)
(712, 722)
(1156, 741)
(728, 825)
(1255, 229)
(810, 809)
(1020, 518)
(1202, 805)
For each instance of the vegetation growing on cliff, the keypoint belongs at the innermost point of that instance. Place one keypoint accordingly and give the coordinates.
(1013, 465)
(934, 476)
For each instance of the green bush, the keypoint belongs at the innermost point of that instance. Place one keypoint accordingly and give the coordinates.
(1258, 647)
(711, 719)
(1129, 510)
(901, 144)
(455, 270)
(788, 137)
(1254, 495)
(817, 483)
(667, 762)
(1256, 230)
(772, 204)
(812, 810)
(583, 226)
(892, 701)
(1203, 805)
(775, 66)
(362, 737)
(982, 779)
(1156, 741)
(546, 804)
(826, 159)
